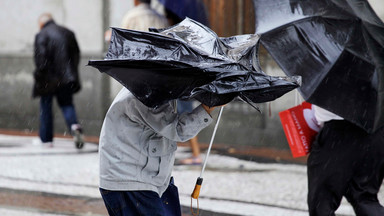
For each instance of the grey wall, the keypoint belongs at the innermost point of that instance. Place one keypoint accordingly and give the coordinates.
(18, 21)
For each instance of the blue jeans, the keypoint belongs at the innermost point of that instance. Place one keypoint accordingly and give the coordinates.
(184, 106)
(144, 203)
(65, 100)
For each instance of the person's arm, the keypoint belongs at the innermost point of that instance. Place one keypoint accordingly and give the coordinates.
(75, 50)
(40, 55)
(166, 123)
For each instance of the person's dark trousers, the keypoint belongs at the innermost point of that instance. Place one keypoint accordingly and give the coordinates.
(65, 100)
(143, 203)
(345, 161)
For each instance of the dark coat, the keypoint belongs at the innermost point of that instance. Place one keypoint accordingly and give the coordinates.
(56, 58)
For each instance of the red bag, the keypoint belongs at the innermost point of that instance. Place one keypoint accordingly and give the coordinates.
(300, 128)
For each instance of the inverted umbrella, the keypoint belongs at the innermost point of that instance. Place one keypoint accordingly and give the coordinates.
(187, 61)
(337, 46)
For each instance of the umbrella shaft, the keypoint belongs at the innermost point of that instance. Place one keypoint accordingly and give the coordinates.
(211, 142)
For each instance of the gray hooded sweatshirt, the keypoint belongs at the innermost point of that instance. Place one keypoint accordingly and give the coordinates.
(138, 143)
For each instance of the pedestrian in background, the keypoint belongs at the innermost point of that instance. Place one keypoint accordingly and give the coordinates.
(56, 56)
(140, 18)
(345, 161)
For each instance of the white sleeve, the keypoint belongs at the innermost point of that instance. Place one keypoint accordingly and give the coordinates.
(323, 115)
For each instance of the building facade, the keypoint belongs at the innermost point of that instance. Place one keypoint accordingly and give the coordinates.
(89, 19)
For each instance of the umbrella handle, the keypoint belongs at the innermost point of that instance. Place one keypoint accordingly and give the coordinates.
(195, 195)
(197, 211)
(196, 191)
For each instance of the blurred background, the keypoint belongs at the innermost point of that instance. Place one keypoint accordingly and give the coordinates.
(241, 125)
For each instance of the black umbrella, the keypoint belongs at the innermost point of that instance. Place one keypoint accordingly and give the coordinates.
(337, 46)
(187, 61)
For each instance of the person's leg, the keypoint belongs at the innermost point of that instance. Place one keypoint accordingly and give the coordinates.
(184, 106)
(46, 119)
(171, 201)
(363, 190)
(126, 203)
(195, 159)
(330, 168)
(65, 101)
(195, 147)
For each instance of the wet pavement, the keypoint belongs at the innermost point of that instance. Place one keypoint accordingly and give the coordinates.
(35, 180)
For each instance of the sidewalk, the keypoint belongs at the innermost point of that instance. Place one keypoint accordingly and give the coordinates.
(64, 181)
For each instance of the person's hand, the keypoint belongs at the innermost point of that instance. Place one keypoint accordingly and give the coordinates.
(209, 109)
(107, 35)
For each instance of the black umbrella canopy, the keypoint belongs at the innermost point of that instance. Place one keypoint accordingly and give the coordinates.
(337, 46)
(188, 60)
